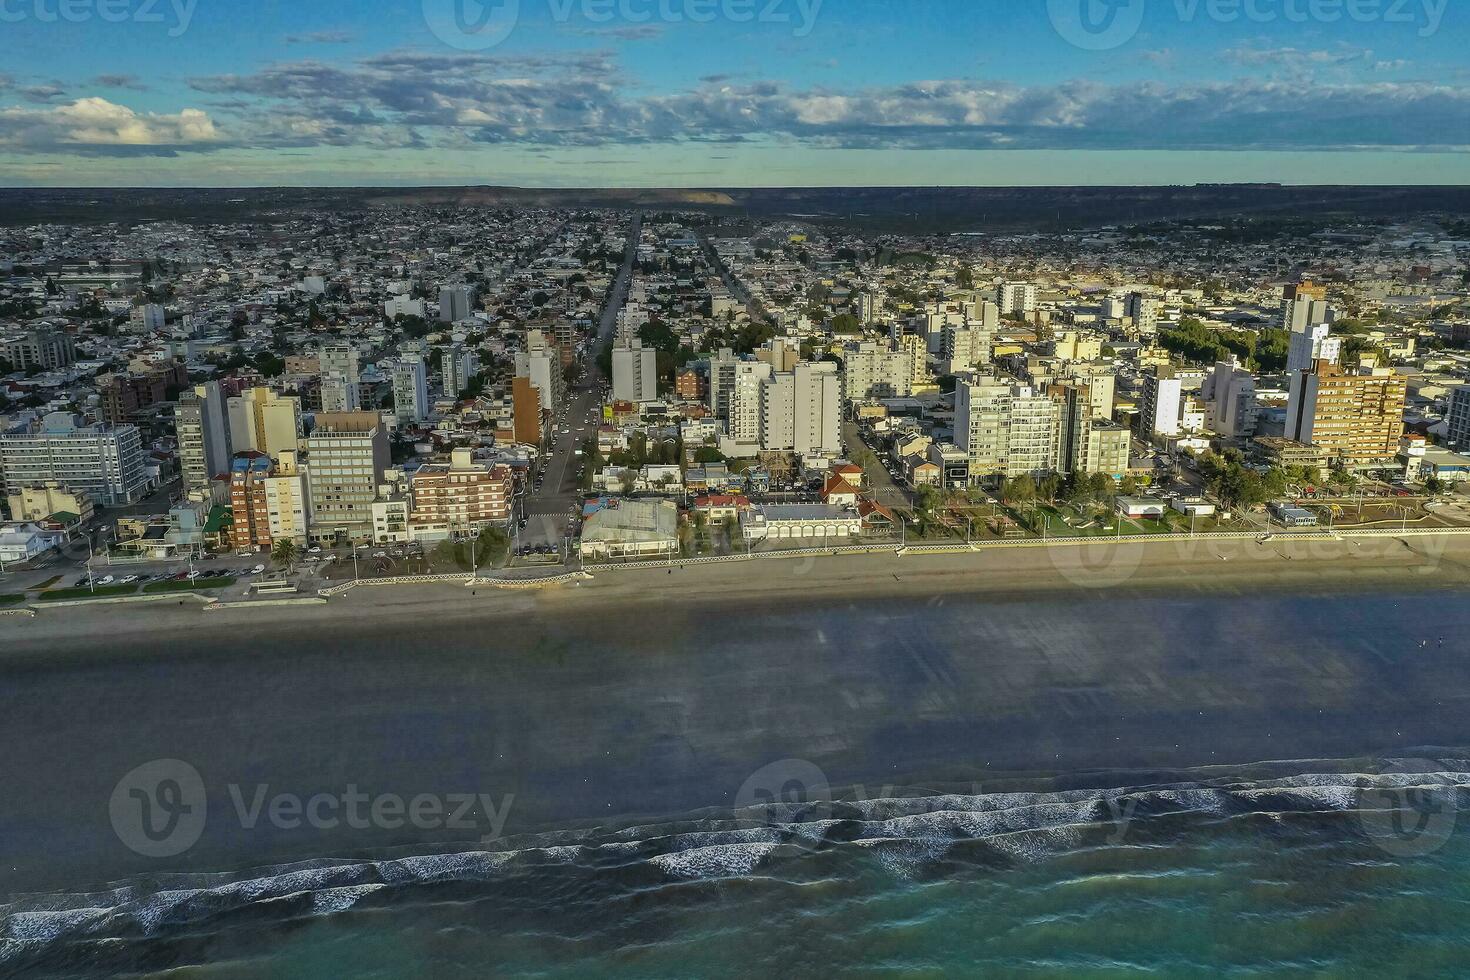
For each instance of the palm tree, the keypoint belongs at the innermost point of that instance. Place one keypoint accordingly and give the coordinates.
(284, 553)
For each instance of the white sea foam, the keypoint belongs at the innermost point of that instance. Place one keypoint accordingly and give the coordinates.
(905, 833)
(715, 861)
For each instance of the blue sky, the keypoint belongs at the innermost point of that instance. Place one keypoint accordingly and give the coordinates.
(733, 92)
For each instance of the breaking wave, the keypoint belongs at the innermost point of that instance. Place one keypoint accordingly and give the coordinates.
(905, 836)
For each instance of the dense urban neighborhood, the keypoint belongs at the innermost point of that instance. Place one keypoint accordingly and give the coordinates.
(306, 398)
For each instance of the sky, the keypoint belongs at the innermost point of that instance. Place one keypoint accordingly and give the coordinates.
(729, 93)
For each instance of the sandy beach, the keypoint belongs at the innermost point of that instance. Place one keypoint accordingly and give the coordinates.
(1183, 567)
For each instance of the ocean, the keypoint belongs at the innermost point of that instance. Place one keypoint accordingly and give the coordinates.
(1182, 785)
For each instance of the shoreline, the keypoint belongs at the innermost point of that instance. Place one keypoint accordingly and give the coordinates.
(1181, 567)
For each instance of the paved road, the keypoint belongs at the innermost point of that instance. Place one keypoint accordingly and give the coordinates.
(549, 509)
(753, 307)
(884, 488)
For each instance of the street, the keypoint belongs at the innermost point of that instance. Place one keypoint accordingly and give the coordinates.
(555, 498)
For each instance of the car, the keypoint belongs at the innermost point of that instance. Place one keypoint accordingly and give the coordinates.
(191, 576)
(314, 550)
(127, 580)
(81, 583)
(106, 580)
(257, 570)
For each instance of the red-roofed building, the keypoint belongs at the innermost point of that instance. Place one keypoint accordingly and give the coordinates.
(839, 491)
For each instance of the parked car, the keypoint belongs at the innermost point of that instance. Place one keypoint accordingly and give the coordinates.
(257, 570)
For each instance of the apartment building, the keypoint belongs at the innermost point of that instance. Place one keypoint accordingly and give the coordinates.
(1159, 409)
(122, 396)
(104, 462)
(1229, 394)
(1357, 417)
(264, 421)
(1016, 297)
(346, 456)
(202, 427)
(458, 365)
(541, 362)
(460, 497)
(45, 349)
(871, 370)
(268, 501)
(36, 504)
(527, 412)
(410, 387)
(634, 372)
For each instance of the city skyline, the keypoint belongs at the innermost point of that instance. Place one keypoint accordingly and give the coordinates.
(691, 93)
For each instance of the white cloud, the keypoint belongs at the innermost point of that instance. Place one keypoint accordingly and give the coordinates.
(97, 125)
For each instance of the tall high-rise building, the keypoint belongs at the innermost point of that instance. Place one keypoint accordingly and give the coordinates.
(526, 412)
(261, 420)
(1159, 409)
(339, 394)
(1230, 400)
(1457, 419)
(455, 303)
(1145, 313)
(346, 456)
(871, 370)
(778, 413)
(458, 366)
(410, 387)
(1005, 428)
(743, 426)
(1016, 297)
(268, 501)
(340, 359)
(817, 409)
(723, 368)
(1357, 417)
(202, 426)
(1308, 321)
(964, 346)
(541, 362)
(635, 372)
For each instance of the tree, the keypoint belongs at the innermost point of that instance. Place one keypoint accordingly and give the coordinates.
(284, 552)
(1019, 490)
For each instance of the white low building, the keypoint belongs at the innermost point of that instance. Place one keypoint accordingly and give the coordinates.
(818, 524)
(632, 529)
